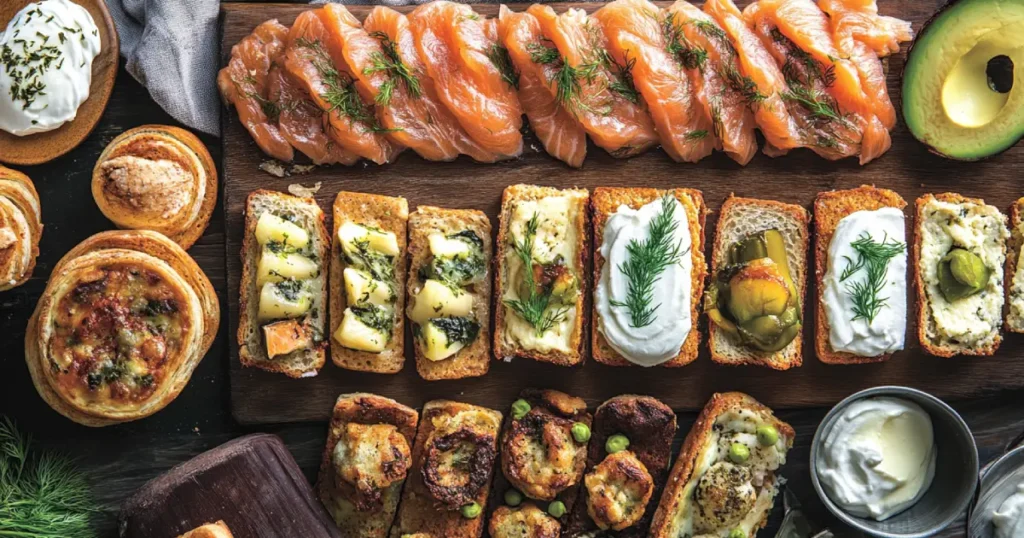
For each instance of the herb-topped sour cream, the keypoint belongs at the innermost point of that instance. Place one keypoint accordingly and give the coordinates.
(46, 56)
(646, 249)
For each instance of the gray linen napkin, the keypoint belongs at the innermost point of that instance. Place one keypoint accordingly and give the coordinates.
(171, 48)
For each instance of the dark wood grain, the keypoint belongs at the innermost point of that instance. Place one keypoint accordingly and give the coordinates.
(251, 483)
(259, 397)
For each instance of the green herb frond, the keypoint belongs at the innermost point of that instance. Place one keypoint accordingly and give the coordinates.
(696, 136)
(873, 257)
(533, 304)
(340, 94)
(498, 55)
(542, 54)
(681, 49)
(623, 83)
(743, 86)
(388, 61)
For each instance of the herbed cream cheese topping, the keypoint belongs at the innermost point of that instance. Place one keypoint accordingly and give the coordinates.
(661, 339)
(848, 331)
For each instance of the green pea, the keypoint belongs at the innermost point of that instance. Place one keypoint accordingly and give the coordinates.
(520, 408)
(616, 443)
(580, 432)
(767, 435)
(513, 497)
(738, 453)
(737, 533)
(556, 509)
(471, 510)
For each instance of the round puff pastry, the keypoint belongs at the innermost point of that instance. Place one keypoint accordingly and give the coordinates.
(20, 228)
(125, 318)
(159, 178)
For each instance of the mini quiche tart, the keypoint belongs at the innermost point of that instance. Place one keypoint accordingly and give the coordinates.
(124, 320)
(525, 521)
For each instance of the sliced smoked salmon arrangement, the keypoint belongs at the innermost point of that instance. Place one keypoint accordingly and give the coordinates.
(444, 81)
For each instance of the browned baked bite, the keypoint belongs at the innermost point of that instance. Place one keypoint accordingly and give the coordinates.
(524, 521)
(210, 530)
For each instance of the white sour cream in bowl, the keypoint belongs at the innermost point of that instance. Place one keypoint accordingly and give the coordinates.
(46, 56)
(1008, 520)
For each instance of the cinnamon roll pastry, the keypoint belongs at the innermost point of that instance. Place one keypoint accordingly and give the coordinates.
(125, 318)
(157, 177)
(210, 530)
(20, 228)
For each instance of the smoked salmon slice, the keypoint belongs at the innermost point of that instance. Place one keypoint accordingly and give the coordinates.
(780, 129)
(731, 95)
(243, 83)
(471, 73)
(858, 20)
(309, 61)
(302, 123)
(562, 136)
(636, 34)
(591, 85)
(430, 130)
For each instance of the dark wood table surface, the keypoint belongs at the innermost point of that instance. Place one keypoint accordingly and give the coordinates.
(121, 458)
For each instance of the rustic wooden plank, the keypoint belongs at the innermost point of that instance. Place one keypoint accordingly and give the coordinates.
(259, 397)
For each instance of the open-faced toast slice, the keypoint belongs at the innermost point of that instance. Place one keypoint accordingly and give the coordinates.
(452, 465)
(539, 305)
(727, 418)
(365, 463)
(605, 202)
(621, 488)
(1014, 277)
(282, 311)
(450, 292)
(368, 281)
(829, 209)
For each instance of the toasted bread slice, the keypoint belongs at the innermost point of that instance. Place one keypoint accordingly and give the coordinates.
(650, 426)
(340, 499)
(676, 508)
(926, 256)
(1014, 278)
(210, 530)
(420, 512)
(740, 217)
(830, 208)
(475, 359)
(508, 325)
(306, 361)
(605, 202)
(391, 215)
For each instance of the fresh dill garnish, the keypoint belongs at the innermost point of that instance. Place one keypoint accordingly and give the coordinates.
(873, 257)
(800, 68)
(389, 62)
(679, 48)
(647, 260)
(341, 93)
(716, 116)
(533, 308)
(498, 55)
(822, 106)
(743, 85)
(696, 136)
(541, 54)
(41, 494)
(623, 84)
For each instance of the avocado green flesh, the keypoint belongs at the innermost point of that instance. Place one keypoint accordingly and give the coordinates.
(948, 103)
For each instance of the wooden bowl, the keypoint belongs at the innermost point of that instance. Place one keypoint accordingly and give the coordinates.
(42, 147)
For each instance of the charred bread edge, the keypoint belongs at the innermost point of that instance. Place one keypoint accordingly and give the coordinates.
(247, 291)
(474, 360)
(516, 193)
(922, 305)
(1013, 249)
(799, 213)
(362, 208)
(683, 468)
(605, 201)
(835, 206)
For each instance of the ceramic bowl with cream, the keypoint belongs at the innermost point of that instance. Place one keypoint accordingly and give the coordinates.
(894, 462)
(998, 511)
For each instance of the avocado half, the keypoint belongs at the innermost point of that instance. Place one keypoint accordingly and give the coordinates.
(963, 83)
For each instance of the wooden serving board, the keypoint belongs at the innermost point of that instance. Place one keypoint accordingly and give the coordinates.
(251, 483)
(261, 397)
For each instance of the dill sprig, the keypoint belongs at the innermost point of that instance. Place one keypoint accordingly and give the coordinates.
(681, 49)
(498, 55)
(389, 62)
(696, 136)
(743, 85)
(534, 307)
(821, 105)
(41, 494)
(567, 78)
(874, 257)
(541, 54)
(798, 62)
(647, 260)
(341, 93)
(623, 83)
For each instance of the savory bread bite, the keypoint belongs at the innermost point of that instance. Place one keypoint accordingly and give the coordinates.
(959, 253)
(210, 530)
(860, 254)
(758, 281)
(725, 477)
(284, 281)
(542, 246)
(523, 521)
(21, 228)
(649, 271)
(627, 463)
(452, 462)
(366, 461)
(367, 279)
(1014, 279)
(450, 291)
